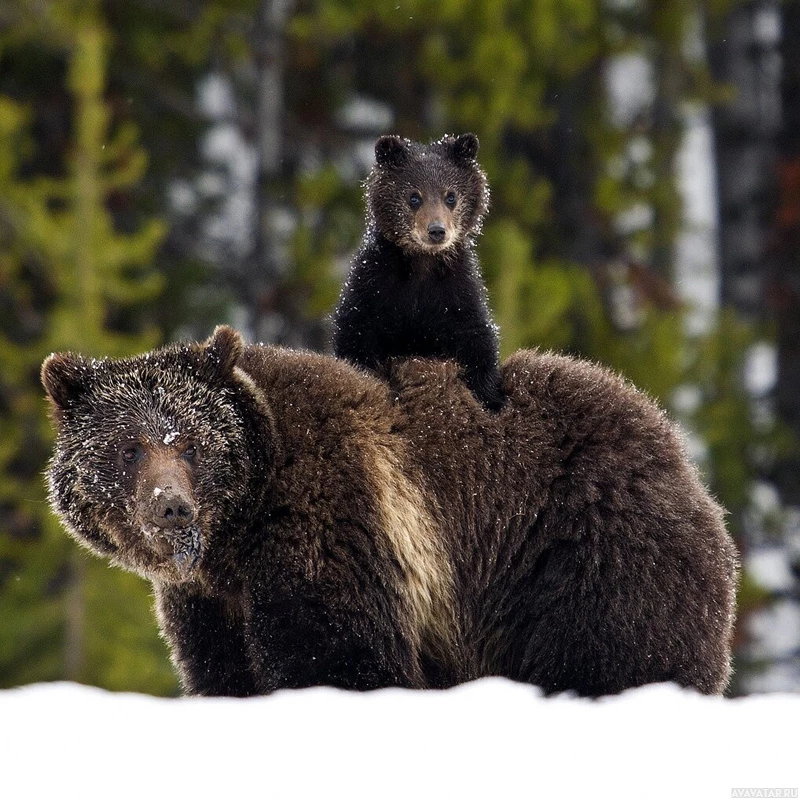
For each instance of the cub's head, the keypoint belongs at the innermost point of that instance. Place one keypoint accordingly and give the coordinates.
(157, 455)
(427, 198)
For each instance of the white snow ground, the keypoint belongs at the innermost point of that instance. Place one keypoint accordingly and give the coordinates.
(490, 739)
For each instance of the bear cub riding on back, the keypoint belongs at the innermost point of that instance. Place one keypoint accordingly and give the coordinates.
(414, 287)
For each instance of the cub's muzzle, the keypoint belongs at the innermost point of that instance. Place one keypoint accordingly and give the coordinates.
(436, 232)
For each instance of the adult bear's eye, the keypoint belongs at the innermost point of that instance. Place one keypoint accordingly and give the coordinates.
(190, 452)
(415, 200)
(450, 199)
(131, 453)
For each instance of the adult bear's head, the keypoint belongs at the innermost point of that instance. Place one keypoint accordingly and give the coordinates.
(158, 456)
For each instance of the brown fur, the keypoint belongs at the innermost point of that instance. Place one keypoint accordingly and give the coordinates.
(414, 286)
(431, 172)
(414, 539)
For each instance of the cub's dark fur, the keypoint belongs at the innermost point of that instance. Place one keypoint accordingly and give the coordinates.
(415, 287)
(304, 525)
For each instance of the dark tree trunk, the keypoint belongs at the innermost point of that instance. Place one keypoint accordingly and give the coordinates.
(786, 272)
(743, 55)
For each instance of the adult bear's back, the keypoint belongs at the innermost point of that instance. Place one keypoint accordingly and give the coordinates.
(587, 554)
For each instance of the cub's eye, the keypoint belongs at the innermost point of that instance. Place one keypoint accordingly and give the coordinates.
(190, 453)
(450, 199)
(415, 200)
(131, 453)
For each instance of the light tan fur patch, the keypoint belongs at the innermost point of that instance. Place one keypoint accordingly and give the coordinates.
(250, 384)
(414, 536)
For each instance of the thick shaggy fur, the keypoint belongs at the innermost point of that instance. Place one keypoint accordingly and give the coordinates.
(415, 287)
(359, 537)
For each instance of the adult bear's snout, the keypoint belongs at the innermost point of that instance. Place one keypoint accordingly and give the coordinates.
(169, 509)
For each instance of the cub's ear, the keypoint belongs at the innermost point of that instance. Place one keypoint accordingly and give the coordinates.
(465, 147)
(65, 377)
(220, 353)
(391, 151)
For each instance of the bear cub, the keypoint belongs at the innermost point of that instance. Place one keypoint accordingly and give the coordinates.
(414, 287)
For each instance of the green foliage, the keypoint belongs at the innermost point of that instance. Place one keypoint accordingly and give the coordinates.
(315, 246)
(69, 271)
(740, 443)
(124, 652)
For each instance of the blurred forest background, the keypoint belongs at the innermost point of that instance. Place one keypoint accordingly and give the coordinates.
(165, 166)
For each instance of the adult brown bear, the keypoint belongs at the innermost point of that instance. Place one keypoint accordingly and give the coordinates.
(302, 524)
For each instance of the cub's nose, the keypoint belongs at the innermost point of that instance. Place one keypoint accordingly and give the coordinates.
(436, 232)
(171, 510)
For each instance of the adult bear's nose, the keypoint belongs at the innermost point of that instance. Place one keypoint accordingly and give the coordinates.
(171, 509)
(436, 232)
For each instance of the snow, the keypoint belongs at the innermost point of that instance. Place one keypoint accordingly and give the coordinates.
(761, 369)
(772, 643)
(631, 87)
(775, 631)
(696, 258)
(769, 567)
(215, 96)
(489, 739)
(366, 114)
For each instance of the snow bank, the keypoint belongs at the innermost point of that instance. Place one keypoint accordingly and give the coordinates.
(490, 739)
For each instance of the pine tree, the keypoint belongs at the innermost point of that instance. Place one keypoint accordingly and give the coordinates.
(71, 276)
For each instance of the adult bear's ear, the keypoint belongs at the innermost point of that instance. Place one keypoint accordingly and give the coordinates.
(465, 147)
(220, 353)
(65, 377)
(391, 151)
